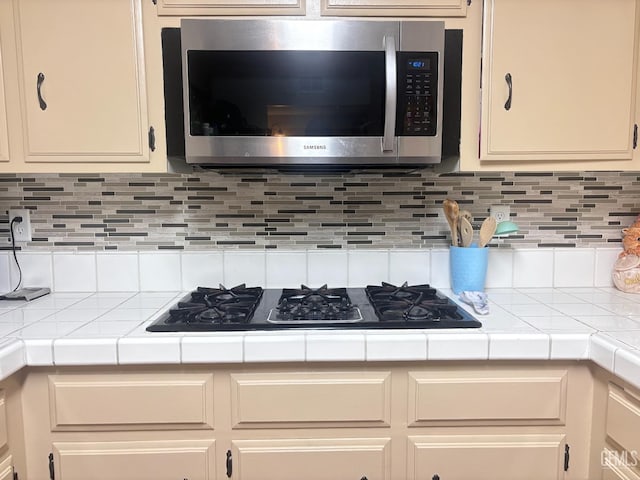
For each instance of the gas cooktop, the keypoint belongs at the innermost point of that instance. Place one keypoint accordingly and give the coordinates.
(244, 308)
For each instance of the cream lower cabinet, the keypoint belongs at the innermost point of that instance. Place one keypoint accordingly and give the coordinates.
(486, 457)
(620, 457)
(6, 469)
(293, 459)
(142, 460)
(313, 421)
(82, 79)
(559, 85)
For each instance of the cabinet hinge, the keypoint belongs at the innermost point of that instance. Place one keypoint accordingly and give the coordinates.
(155, 2)
(635, 136)
(566, 457)
(152, 139)
(52, 474)
(468, 3)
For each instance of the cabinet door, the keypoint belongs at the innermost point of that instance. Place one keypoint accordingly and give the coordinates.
(619, 465)
(82, 80)
(568, 69)
(312, 459)
(395, 8)
(5, 30)
(486, 457)
(151, 460)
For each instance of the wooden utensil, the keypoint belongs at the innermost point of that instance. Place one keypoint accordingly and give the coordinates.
(451, 211)
(467, 214)
(466, 232)
(487, 229)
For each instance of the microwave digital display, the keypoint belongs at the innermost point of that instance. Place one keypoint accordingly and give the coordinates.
(421, 64)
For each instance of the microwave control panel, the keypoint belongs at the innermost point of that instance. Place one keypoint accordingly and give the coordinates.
(417, 94)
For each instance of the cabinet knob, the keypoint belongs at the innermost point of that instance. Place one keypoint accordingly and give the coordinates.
(509, 80)
(43, 104)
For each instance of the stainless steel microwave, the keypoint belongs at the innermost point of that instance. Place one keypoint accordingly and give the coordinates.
(312, 92)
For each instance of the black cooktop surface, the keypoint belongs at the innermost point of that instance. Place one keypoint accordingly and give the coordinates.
(243, 308)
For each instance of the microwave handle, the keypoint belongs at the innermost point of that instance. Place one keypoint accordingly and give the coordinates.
(391, 79)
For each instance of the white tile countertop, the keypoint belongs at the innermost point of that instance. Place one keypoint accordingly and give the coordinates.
(108, 328)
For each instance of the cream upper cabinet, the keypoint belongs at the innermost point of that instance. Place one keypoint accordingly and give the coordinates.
(6, 30)
(231, 7)
(81, 73)
(559, 84)
(395, 8)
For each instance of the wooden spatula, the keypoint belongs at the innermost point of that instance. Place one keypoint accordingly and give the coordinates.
(466, 232)
(487, 229)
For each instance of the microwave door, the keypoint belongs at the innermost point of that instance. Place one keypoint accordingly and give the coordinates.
(279, 95)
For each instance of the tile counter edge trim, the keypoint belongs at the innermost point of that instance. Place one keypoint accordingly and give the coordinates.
(619, 359)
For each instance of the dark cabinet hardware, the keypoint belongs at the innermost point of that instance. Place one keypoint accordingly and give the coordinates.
(566, 457)
(152, 139)
(635, 136)
(364, 478)
(435, 477)
(15, 475)
(52, 474)
(229, 464)
(43, 104)
(509, 80)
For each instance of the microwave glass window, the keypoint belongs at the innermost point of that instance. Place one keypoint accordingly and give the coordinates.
(286, 93)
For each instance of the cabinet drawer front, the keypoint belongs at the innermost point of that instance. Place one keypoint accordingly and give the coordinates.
(623, 419)
(486, 457)
(296, 459)
(359, 398)
(150, 460)
(507, 396)
(114, 402)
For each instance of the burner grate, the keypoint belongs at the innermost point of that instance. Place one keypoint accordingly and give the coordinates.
(217, 306)
(314, 305)
(411, 304)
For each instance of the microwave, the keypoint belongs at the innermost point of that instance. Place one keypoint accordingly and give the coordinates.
(312, 92)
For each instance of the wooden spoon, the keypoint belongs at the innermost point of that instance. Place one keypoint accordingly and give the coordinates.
(487, 229)
(451, 211)
(466, 232)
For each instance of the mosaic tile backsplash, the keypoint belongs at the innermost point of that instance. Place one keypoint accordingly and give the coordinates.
(265, 209)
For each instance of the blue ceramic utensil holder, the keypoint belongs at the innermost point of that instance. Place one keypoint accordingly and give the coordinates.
(468, 268)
